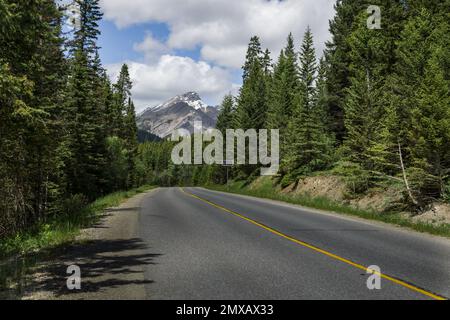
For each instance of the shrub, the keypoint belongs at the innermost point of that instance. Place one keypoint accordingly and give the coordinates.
(356, 178)
(287, 180)
(73, 205)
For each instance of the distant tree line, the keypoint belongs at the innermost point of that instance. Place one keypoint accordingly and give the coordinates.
(67, 135)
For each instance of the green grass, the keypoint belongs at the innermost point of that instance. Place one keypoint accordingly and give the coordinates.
(63, 230)
(267, 190)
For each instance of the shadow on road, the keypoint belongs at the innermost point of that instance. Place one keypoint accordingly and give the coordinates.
(104, 264)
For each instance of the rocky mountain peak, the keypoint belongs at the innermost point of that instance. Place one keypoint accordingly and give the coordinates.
(191, 96)
(179, 112)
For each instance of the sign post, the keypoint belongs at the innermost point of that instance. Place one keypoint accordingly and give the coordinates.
(227, 164)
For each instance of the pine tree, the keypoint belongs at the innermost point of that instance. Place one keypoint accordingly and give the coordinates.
(267, 63)
(283, 89)
(224, 122)
(15, 117)
(277, 95)
(252, 101)
(363, 107)
(290, 77)
(123, 117)
(122, 95)
(367, 103)
(225, 118)
(254, 52)
(309, 145)
(419, 98)
(111, 116)
(31, 62)
(308, 69)
(131, 141)
(87, 34)
(339, 61)
(321, 94)
(87, 132)
(434, 7)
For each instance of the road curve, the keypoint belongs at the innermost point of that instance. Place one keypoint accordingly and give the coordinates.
(213, 245)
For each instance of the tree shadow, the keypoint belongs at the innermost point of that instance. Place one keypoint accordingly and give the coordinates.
(104, 264)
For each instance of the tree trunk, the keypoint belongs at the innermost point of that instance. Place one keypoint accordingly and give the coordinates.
(405, 179)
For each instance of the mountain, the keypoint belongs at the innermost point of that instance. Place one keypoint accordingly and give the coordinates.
(179, 112)
(144, 136)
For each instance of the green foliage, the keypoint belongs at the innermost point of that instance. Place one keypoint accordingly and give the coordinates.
(118, 169)
(338, 59)
(447, 192)
(31, 78)
(356, 178)
(418, 95)
(251, 107)
(288, 179)
(57, 111)
(309, 145)
(225, 118)
(63, 229)
(72, 206)
(376, 107)
(282, 92)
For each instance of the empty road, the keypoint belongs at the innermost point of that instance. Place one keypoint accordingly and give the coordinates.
(212, 245)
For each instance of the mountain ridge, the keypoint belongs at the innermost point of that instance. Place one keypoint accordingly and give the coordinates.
(179, 112)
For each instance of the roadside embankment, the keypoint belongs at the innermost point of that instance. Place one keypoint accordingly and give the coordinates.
(330, 193)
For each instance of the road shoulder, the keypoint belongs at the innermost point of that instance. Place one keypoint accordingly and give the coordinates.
(110, 255)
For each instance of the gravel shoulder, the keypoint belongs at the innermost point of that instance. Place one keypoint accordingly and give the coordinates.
(110, 255)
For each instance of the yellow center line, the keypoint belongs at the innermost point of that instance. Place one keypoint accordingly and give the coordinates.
(314, 248)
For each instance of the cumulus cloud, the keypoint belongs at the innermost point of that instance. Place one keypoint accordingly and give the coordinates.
(151, 48)
(173, 75)
(222, 28)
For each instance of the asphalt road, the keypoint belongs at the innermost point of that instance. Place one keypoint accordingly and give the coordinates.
(211, 245)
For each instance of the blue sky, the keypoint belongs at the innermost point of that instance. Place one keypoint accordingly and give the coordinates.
(118, 46)
(175, 46)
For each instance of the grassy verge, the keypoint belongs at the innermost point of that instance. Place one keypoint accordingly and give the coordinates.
(64, 229)
(268, 191)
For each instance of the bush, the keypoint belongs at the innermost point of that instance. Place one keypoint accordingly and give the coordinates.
(426, 189)
(287, 180)
(446, 192)
(73, 205)
(355, 177)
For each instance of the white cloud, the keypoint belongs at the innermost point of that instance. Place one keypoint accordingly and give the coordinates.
(232, 56)
(221, 28)
(152, 48)
(172, 75)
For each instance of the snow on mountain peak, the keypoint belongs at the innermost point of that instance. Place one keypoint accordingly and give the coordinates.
(180, 112)
(192, 99)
